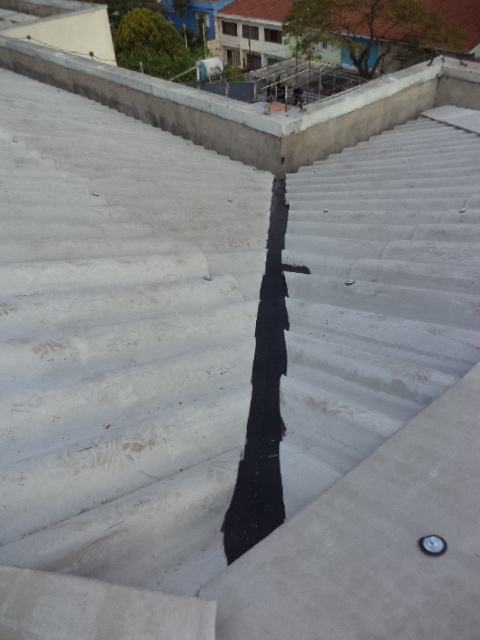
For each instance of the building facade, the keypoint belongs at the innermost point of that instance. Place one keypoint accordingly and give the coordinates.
(249, 35)
(204, 9)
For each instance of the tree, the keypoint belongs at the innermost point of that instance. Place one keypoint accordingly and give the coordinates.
(181, 6)
(147, 38)
(370, 25)
(202, 31)
(119, 8)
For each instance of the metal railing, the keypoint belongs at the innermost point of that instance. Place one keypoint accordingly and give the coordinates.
(299, 81)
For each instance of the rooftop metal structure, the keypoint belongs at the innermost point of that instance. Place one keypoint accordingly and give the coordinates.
(294, 79)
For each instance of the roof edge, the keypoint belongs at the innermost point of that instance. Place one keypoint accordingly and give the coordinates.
(238, 130)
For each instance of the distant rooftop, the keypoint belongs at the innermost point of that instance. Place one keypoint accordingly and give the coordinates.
(462, 13)
(268, 10)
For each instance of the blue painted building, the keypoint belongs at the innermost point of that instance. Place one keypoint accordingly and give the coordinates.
(208, 7)
(346, 59)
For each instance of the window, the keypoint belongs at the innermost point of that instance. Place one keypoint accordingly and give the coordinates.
(253, 61)
(250, 32)
(273, 35)
(229, 28)
(325, 43)
(233, 57)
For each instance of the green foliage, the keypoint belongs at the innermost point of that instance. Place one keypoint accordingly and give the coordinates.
(379, 21)
(180, 7)
(233, 74)
(161, 65)
(202, 31)
(119, 8)
(148, 38)
(189, 35)
(141, 31)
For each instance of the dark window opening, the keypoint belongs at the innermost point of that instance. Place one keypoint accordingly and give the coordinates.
(233, 57)
(229, 28)
(253, 61)
(250, 32)
(273, 35)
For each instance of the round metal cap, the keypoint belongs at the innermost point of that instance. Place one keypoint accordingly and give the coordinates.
(208, 278)
(433, 545)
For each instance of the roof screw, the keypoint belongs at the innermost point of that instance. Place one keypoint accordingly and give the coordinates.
(433, 545)
(208, 278)
(314, 171)
(462, 210)
(349, 282)
(95, 194)
(325, 211)
(230, 200)
(13, 140)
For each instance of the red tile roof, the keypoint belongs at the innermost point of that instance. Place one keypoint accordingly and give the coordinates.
(271, 10)
(462, 13)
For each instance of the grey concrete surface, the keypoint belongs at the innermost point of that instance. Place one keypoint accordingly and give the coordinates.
(459, 85)
(35, 605)
(349, 566)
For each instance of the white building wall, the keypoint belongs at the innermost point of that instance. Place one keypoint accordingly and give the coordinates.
(245, 45)
(80, 32)
(331, 53)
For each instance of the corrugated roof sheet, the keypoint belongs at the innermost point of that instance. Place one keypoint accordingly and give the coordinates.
(125, 374)
(385, 324)
(387, 320)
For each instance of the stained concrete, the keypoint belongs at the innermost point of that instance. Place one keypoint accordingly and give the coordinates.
(459, 85)
(35, 605)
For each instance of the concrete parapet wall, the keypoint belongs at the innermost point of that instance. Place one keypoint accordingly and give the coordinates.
(459, 86)
(207, 120)
(44, 8)
(240, 131)
(358, 124)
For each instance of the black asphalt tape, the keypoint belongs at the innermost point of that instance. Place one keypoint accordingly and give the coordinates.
(257, 506)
